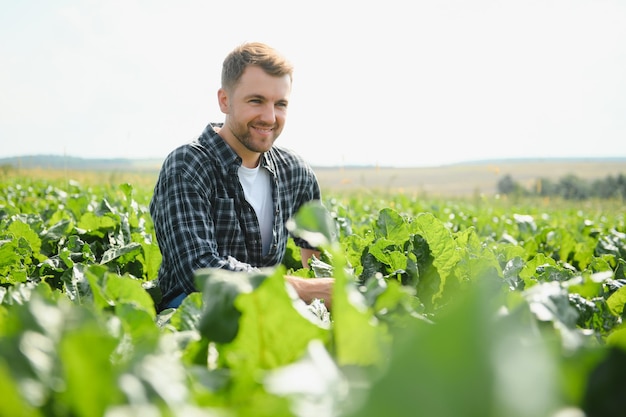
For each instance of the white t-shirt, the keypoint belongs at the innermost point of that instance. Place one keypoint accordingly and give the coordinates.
(256, 187)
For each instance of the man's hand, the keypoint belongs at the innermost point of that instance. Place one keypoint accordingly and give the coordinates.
(309, 289)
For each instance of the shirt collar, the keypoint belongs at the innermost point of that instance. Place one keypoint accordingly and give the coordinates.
(213, 141)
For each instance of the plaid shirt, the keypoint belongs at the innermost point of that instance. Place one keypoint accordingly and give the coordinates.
(202, 219)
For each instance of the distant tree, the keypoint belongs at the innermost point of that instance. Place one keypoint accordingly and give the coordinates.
(508, 186)
(620, 184)
(571, 187)
(545, 187)
(605, 188)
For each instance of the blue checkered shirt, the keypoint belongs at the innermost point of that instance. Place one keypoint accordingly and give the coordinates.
(202, 219)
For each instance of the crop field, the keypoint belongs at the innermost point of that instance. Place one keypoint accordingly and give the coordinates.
(462, 180)
(446, 304)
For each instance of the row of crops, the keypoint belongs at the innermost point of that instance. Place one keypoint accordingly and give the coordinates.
(441, 308)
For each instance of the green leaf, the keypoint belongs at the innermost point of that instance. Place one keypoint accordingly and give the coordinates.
(387, 251)
(462, 367)
(360, 339)
(78, 204)
(616, 301)
(443, 248)
(91, 381)
(57, 232)
(220, 288)
(617, 337)
(589, 285)
(10, 259)
(127, 290)
(187, 315)
(109, 289)
(96, 225)
(151, 259)
(96, 276)
(119, 251)
(532, 269)
(13, 404)
(139, 324)
(549, 301)
(392, 226)
(321, 388)
(262, 341)
(477, 260)
(22, 230)
(76, 285)
(314, 224)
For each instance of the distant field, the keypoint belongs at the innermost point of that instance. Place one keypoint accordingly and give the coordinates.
(463, 179)
(452, 180)
(138, 179)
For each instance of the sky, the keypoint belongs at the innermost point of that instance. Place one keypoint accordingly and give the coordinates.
(389, 83)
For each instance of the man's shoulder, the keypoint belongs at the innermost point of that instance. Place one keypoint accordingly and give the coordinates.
(201, 150)
(287, 157)
(188, 152)
(290, 165)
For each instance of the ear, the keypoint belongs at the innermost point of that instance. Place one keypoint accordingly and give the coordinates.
(222, 99)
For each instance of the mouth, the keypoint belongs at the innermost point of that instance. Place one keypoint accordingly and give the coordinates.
(265, 130)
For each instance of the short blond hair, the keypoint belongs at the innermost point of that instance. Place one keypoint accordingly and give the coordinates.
(253, 53)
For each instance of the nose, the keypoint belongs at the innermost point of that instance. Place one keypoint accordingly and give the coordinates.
(268, 114)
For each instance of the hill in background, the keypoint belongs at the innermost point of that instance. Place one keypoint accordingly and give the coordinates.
(72, 163)
(463, 179)
(466, 179)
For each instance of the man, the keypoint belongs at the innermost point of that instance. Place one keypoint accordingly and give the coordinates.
(222, 200)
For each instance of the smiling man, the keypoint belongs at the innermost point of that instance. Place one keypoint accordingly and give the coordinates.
(222, 201)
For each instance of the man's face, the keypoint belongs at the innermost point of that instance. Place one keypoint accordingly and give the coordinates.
(255, 110)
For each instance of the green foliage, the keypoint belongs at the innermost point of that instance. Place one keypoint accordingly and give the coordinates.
(440, 308)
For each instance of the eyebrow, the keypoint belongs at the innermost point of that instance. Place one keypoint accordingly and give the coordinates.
(262, 97)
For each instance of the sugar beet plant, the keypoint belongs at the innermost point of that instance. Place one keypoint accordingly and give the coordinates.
(440, 308)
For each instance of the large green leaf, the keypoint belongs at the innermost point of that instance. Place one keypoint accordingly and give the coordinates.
(220, 317)
(359, 338)
(617, 300)
(85, 355)
(392, 226)
(462, 367)
(443, 248)
(109, 289)
(119, 251)
(13, 404)
(19, 230)
(314, 224)
(96, 225)
(275, 327)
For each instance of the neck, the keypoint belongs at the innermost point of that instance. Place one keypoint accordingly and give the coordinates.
(249, 159)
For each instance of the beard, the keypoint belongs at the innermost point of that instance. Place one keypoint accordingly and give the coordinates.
(245, 135)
